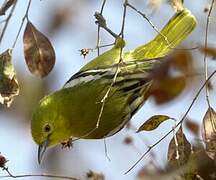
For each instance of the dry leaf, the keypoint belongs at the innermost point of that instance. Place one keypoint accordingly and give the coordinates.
(179, 150)
(153, 122)
(192, 126)
(169, 76)
(39, 53)
(8, 82)
(6, 5)
(91, 175)
(3, 161)
(210, 51)
(177, 5)
(209, 132)
(167, 89)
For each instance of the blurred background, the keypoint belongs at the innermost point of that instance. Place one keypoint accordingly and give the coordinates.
(70, 26)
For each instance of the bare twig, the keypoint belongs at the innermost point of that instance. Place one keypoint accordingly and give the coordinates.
(105, 150)
(123, 19)
(98, 31)
(152, 25)
(23, 20)
(205, 53)
(7, 21)
(179, 123)
(10, 175)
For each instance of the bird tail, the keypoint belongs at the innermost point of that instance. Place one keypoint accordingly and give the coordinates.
(177, 29)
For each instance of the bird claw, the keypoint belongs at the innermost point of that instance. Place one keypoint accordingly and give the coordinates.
(67, 144)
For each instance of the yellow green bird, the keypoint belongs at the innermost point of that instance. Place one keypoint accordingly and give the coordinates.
(105, 91)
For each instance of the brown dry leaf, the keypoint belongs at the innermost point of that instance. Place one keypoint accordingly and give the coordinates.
(91, 175)
(3, 161)
(209, 132)
(167, 89)
(61, 16)
(8, 82)
(210, 86)
(210, 51)
(178, 152)
(151, 172)
(182, 60)
(39, 52)
(6, 5)
(153, 122)
(169, 77)
(192, 126)
(177, 5)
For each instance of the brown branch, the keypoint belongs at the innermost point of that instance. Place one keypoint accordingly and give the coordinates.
(10, 175)
(98, 31)
(23, 20)
(179, 123)
(152, 25)
(205, 53)
(7, 21)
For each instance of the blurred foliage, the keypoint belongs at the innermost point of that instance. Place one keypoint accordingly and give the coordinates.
(186, 160)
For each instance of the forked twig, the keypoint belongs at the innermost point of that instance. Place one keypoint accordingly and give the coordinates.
(23, 20)
(179, 123)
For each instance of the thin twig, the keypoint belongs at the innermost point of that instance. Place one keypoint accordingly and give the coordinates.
(10, 175)
(23, 20)
(98, 31)
(152, 25)
(7, 21)
(205, 53)
(123, 19)
(105, 150)
(179, 123)
(106, 45)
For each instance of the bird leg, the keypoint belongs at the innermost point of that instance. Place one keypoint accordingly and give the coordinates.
(67, 144)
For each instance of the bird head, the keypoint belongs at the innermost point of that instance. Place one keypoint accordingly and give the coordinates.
(48, 128)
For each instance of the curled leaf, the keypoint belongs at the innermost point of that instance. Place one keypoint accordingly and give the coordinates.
(177, 5)
(8, 82)
(39, 52)
(209, 132)
(153, 122)
(179, 150)
(6, 5)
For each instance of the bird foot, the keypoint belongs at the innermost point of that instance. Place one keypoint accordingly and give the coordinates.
(67, 144)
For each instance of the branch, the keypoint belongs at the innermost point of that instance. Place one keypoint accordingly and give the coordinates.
(205, 53)
(10, 175)
(179, 123)
(23, 20)
(7, 21)
(98, 31)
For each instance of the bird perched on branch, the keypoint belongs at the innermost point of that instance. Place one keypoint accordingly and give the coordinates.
(103, 96)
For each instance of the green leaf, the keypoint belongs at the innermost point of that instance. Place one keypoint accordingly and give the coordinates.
(153, 122)
(8, 82)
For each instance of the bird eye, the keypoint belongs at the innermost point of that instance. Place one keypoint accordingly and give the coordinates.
(47, 128)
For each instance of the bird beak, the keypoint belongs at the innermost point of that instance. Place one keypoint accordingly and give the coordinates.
(41, 149)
